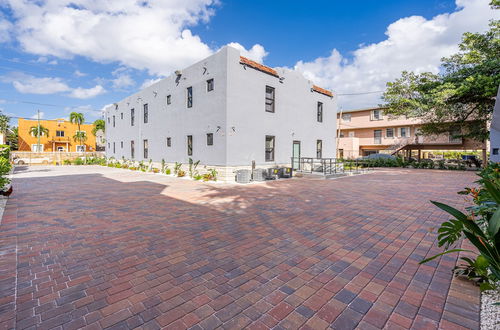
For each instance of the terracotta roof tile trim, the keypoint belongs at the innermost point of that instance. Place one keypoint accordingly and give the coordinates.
(322, 91)
(258, 66)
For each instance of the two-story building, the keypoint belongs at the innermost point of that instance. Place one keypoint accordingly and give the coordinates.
(60, 136)
(366, 131)
(227, 112)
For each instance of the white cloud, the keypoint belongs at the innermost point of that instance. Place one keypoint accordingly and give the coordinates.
(413, 43)
(87, 110)
(79, 74)
(149, 82)
(32, 85)
(5, 29)
(35, 116)
(87, 93)
(256, 53)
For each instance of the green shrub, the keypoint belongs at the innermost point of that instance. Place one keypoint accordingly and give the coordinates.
(4, 171)
(67, 162)
(167, 171)
(78, 161)
(4, 151)
(481, 226)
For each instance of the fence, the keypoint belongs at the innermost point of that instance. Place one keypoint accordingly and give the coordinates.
(49, 158)
(329, 166)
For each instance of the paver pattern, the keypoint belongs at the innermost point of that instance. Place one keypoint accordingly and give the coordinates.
(94, 247)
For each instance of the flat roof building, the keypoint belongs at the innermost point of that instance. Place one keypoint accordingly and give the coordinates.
(225, 111)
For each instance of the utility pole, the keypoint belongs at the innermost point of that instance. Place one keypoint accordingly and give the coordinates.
(38, 116)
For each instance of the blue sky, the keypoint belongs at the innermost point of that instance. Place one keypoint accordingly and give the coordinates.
(82, 55)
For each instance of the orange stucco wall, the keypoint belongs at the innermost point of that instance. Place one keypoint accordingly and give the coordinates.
(52, 142)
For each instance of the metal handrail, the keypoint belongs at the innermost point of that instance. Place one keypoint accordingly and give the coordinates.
(328, 166)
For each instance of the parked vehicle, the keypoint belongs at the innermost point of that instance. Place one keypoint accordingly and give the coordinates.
(30, 161)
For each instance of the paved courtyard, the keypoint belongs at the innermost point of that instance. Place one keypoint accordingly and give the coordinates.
(98, 247)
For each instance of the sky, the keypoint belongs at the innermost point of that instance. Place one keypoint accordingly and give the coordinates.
(59, 56)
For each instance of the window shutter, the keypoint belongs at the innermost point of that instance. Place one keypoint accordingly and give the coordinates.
(399, 131)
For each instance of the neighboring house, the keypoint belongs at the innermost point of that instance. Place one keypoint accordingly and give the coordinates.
(366, 131)
(100, 140)
(226, 111)
(495, 132)
(60, 137)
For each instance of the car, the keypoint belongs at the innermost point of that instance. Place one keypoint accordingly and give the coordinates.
(30, 161)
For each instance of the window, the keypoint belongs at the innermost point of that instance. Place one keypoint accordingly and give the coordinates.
(169, 142)
(269, 148)
(60, 133)
(405, 131)
(121, 144)
(145, 113)
(376, 115)
(114, 147)
(132, 149)
(114, 121)
(351, 134)
(189, 97)
(377, 136)
(145, 144)
(132, 117)
(169, 99)
(121, 115)
(109, 120)
(210, 139)
(210, 85)
(495, 151)
(270, 99)
(190, 145)
(320, 112)
(319, 149)
(341, 134)
(108, 145)
(346, 117)
(37, 147)
(80, 148)
(389, 133)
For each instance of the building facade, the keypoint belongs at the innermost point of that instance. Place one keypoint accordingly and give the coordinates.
(60, 136)
(366, 131)
(495, 132)
(225, 111)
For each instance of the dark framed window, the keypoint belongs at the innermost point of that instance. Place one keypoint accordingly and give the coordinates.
(145, 143)
(495, 151)
(319, 114)
(108, 145)
(269, 148)
(389, 133)
(210, 85)
(132, 117)
(121, 144)
(121, 115)
(270, 95)
(319, 149)
(114, 121)
(210, 139)
(190, 145)
(109, 120)
(189, 97)
(169, 142)
(376, 115)
(114, 149)
(132, 149)
(146, 110)
(169, 99)
(60, 133)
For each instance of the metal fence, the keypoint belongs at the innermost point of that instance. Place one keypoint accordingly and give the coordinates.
(329, 166)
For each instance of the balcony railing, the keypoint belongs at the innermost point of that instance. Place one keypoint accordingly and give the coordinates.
(329, 166)
(59, 139)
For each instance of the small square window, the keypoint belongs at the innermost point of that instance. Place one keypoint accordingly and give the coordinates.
(495, 151)
(346, 117)
(376, 115)
(169, 142)
(60, 133)
(210, 139)
(210, 85)
(389, 133)
(169, 99)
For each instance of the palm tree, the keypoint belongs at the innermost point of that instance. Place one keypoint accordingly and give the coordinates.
(99, 124)
(80, 136)
(78, 118)
(37, 131)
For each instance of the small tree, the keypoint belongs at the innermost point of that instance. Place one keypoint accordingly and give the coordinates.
(99, 124)
(38, 131)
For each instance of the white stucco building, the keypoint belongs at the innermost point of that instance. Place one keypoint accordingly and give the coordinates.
(225, 111)
(495, 132)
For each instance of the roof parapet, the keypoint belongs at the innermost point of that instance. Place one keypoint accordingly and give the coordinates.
(323, 91)
(258, 66)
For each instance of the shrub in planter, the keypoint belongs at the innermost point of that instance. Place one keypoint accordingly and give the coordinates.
(181, 173)
(67, 162)
(197, 177)
(78, 161)
(167, 171)
(155, 170)
(4, 170)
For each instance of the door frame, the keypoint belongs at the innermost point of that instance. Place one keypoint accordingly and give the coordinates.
(293, 155)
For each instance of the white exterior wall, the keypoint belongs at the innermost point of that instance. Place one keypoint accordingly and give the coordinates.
(495, 132)
(234, 112)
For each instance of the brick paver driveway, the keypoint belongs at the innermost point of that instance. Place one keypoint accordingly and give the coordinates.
(100, 247)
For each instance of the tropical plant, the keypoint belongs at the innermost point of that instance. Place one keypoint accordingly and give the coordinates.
(78, 161)
(4, 171)
(192, 167)
(181, 173)
(177, 168)
(38, 131)
(481, 226)
(67, 162)
(13, 137)
(99, 124)
(168, 171)
(78, 119)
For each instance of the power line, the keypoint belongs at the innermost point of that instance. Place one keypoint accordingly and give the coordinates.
(360, 93)
(49, 105)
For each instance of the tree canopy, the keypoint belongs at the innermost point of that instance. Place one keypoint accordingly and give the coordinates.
(99, 124)
(461, 96)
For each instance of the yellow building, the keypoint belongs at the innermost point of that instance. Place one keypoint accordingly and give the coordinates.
(59, 138)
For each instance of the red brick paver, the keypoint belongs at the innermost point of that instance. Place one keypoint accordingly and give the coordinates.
(96, 247)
